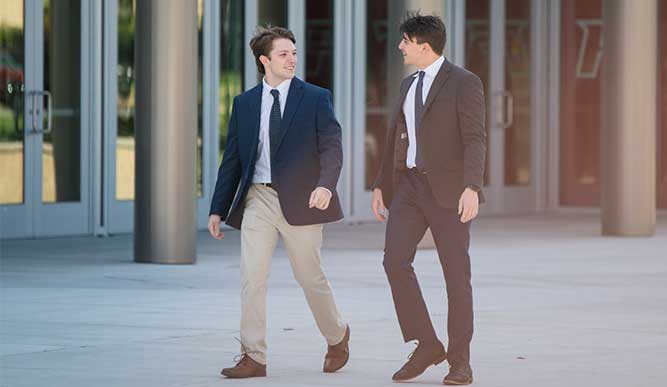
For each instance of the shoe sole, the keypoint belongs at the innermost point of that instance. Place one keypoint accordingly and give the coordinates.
(258, 375)
(448, 383)
(435, 363)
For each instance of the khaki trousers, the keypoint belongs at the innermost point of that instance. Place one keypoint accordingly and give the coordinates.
(263, 222)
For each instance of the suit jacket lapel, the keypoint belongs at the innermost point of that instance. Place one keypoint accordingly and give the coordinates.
(398, 108)
(438, 83)
(293, 100)
(255, 109)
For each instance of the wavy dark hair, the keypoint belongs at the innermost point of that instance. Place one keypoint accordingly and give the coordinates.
(425, 29)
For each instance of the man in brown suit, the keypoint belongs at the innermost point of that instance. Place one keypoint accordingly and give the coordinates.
(431, 173)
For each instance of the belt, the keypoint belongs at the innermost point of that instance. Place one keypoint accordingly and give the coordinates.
(416, 171)
(266, 184)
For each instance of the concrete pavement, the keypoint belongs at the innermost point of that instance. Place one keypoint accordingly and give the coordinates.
(555, 305)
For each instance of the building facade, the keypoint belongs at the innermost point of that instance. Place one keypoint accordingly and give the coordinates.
(67, 99)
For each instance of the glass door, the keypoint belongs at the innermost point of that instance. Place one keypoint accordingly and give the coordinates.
(15, 160)
(43, 120)
(119, 113)
(500, 49)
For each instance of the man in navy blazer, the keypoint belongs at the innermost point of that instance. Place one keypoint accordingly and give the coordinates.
(277, 178)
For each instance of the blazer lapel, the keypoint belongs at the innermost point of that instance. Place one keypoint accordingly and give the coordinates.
(405, 86)
(255, 109)
(293, 100)
(438, 83)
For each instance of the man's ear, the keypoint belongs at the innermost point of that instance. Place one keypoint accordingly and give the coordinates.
(264, 60)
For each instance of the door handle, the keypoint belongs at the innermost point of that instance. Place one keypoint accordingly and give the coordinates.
(49, 114)
(510, 109)
(506, 103)
(35, 110)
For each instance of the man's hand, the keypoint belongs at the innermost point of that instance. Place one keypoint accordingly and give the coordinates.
(377, 205)
(320, 198)
(468, 205)
(214, 227)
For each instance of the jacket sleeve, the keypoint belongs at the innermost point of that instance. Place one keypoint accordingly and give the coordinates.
(229, 173)
(384, 175)
(383, 179)
(471, 113)
(329, 144)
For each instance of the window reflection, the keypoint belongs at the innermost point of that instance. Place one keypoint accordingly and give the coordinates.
(376, 87)
(477, 54)
(200, 96)
(61, 148)
(662, 105)
(125, 102)
(319, 43)
(231, 62)
(125, 146)
(580, 102)
(517, 81)
(11, 101)
(272, 12)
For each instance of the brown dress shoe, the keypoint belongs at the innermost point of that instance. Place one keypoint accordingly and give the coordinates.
(423, 357)
(459, 375)
(338, 355)
(245, 368)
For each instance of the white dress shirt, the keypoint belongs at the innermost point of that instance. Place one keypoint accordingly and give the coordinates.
(409, 106)
(263, 165)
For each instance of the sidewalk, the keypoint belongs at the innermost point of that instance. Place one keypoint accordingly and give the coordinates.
(555, 305)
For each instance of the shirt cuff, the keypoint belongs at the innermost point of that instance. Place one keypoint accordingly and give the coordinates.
(473, 187)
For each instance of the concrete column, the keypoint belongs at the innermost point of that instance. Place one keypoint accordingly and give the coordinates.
(629, 118)
(166, 131)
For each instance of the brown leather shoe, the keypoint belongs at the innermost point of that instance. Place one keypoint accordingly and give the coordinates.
(245, 368)
(459, 375)
(424, 356)
(338, 355)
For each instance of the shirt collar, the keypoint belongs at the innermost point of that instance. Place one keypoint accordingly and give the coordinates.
(433, 68)
(283, 87)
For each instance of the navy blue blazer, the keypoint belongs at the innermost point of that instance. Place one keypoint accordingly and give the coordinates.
(309, 155)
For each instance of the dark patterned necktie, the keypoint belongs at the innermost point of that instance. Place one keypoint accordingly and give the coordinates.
(274, 122)
(419, 111)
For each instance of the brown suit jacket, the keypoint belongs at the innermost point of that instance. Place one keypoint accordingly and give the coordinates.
(452, 137)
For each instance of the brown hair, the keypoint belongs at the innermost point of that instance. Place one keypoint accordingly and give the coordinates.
(425, 29)
(262, 41)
